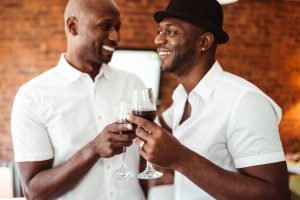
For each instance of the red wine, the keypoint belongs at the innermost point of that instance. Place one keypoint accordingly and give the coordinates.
(147, 114)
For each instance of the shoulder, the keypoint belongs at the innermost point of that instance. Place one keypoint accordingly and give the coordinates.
(234, 83)
(38, 83)
(48, 76)
(237, 86)
(243, 93)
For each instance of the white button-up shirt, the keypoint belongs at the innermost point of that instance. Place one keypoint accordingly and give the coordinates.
(233, 124)
(60, 111)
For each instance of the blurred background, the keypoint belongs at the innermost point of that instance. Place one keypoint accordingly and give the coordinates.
(264, 48)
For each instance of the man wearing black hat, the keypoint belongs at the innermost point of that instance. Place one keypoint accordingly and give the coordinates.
(225, 142)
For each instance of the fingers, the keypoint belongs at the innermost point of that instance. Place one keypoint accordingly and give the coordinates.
(142, 144)
(122, 137)
(109, 152)
(143, 134)
(141, 122)
(119, 128)
(144, 154)
(111, 135)
(110, 142)
(110, 147)
(121, 144)
(143, 147)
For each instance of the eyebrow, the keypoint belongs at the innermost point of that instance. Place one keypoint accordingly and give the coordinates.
(171, 24)
(107, 20)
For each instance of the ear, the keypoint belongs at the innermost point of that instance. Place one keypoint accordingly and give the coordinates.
(72, 25)
(207, 40)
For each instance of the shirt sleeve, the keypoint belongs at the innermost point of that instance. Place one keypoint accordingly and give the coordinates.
(253, 135)
(29, 134)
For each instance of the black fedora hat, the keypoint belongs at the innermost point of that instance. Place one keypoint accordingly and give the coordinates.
(206, 14)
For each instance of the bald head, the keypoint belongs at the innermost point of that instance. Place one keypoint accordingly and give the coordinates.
(77, 9)
(74, 8)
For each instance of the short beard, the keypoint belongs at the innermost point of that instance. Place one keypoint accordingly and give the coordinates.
(182, 61)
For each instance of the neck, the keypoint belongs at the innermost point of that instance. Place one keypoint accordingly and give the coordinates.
(198, 71)
(90, 68)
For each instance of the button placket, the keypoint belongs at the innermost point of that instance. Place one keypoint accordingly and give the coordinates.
(97, 102)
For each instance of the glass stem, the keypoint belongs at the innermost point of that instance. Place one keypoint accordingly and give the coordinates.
(149, 166)
(123, 158)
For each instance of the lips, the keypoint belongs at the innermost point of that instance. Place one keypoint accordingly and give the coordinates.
(164, 53)
(106, 52)
(108, 48)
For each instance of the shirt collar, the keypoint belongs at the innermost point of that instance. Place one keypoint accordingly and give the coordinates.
(179, 94)
(205, 87)
(208, 83)
(72, 74)
(105, 70)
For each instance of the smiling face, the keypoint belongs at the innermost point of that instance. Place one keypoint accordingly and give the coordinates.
(98, 31)
(94, 32)
(177, 45)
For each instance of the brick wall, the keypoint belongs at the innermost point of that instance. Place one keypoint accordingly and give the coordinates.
(264, 48)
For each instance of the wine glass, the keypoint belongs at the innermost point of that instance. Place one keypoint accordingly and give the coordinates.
(143, 105)
(123, 173)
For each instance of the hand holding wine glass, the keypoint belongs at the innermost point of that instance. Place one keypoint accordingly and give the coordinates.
(143, 105)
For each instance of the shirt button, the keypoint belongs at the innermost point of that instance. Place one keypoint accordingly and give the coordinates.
(111, 194)
(108, 167)
(99, 117)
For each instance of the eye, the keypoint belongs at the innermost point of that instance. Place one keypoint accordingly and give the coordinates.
(171, 32)
(105, 26)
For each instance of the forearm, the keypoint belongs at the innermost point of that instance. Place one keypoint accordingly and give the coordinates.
(223, 184)
(55, 182)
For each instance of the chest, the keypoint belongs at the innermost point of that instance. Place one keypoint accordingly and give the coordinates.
(75, 114)
(205, 131)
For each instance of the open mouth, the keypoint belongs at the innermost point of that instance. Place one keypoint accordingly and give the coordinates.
(108, 48)
(106, 52)
(164, 53)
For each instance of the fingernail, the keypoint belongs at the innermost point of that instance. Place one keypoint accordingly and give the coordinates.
(128, 116)
(129, 126)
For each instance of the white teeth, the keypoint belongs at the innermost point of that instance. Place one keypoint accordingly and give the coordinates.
(108, 48)
(162, 53)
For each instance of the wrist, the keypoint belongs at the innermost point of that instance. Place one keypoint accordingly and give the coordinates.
(89, 152)
(183, 159)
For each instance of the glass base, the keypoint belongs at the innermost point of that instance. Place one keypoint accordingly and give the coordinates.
(150, 174)
(123, 174)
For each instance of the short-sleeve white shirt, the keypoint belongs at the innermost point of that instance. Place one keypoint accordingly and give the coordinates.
(233, 124)
(60, 111)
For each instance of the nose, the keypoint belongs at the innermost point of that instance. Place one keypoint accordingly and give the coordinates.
(114, 35)
(160, 39)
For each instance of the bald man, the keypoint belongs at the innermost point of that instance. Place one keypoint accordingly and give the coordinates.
(66, 143)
